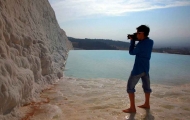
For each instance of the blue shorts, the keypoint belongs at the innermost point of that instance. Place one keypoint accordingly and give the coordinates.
(133, 80)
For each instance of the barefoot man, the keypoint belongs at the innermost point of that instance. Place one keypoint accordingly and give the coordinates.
(141, 67)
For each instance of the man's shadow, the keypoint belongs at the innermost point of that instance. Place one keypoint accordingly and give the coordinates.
(148, 115)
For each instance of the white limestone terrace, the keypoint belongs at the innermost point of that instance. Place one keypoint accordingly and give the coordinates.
(33, 50)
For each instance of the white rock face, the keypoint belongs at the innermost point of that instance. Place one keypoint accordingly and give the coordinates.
(33, 49)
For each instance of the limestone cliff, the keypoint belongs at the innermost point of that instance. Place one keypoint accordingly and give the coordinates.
(33, 50)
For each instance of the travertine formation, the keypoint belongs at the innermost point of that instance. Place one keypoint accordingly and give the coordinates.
(33, 50)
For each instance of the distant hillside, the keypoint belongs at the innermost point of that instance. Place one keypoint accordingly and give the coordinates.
(182, 51)
(105, 44)
(98, 44)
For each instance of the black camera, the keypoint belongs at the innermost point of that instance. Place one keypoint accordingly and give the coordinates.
(133, 36)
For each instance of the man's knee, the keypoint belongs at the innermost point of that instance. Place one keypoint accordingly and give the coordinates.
(131, 90)
(130, 87)
(147, 90)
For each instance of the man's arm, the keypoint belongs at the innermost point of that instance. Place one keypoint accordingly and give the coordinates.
(132, 49)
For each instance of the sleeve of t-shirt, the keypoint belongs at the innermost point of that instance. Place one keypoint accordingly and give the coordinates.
(132, 49)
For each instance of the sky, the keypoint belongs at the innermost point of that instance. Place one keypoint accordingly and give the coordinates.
(169, 20)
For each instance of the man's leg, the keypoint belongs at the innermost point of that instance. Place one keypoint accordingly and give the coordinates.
(147, 90)
(147, 103)
(133, 80)
(132, 108)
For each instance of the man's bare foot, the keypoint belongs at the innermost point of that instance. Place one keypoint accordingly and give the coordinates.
(144, 106)
(130, 110)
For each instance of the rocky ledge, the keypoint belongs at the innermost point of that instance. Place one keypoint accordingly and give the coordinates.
(33, 50)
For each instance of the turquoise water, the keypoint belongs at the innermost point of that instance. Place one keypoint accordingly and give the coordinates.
(114, 64)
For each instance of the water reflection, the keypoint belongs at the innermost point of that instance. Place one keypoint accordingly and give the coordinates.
(131, 116)
(146, 116)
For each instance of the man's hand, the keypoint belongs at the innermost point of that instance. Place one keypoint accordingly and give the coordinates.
(130, 38)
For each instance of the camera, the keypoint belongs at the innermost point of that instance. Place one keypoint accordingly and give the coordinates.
(133, 36)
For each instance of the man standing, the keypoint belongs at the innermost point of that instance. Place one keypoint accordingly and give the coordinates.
(141, 67)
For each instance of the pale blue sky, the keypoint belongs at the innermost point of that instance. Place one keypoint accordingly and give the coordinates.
(169, 20)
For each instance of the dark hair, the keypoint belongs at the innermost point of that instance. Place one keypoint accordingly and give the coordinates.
(145, 29)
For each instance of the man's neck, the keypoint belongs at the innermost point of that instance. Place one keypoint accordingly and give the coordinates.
(146, 38)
